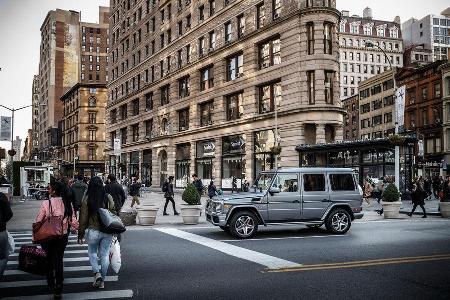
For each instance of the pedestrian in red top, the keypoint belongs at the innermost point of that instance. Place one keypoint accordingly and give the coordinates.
(57, 205)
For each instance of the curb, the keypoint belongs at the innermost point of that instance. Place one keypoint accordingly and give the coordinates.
(417, 213)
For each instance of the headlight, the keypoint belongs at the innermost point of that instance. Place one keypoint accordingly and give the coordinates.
(217, 207)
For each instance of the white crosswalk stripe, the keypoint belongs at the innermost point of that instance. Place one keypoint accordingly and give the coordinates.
(79, 273)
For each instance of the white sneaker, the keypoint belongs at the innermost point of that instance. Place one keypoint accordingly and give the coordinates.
(97, 280)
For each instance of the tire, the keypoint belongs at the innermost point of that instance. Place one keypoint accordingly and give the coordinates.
(338, 221)
(225, 228)
(243, 225)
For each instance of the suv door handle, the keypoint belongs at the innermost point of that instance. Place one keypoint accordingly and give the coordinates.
(325, 200)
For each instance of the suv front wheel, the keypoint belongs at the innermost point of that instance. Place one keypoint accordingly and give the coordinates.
(243, 225)
(338, 221)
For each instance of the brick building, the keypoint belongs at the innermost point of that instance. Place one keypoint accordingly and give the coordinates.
(351, 124)
(445, 70)
(196, 86)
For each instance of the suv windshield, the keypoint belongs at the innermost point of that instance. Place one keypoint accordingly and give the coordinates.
(264, 181)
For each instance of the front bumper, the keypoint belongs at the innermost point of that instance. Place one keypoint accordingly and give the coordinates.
(358, 215)
(216, 219)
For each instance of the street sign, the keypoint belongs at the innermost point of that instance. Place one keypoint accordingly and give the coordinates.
(117, 147)
(5, 129)
(400, 106)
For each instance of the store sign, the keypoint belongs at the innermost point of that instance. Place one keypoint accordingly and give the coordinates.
(209, 149)
(117, 147)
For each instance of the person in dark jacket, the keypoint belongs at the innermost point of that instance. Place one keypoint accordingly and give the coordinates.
(211, 189)
(169, 196)
(134, 192)
(198, 184)
(5, 215)
(418, 196)
(78, 189)
(116, 191)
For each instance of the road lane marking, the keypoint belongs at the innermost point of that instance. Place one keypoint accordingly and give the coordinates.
(66, 269)
(70, 242)
(363, 263)
(65, 252)
(68, 246)
(78, 296)
(268, 261)
(285, 238)
(27, 283)
(29, 238)
(70, 259)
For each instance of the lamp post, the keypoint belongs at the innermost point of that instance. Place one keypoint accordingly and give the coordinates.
(370, 44)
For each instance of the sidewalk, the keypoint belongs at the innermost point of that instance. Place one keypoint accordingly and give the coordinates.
(25, 212)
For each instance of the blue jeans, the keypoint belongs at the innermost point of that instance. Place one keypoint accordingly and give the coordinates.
(98, 248)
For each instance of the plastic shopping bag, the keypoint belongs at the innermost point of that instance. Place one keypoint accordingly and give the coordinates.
(114, 255)
(11, 243)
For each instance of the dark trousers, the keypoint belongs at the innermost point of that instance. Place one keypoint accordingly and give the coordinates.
(167, 203)
(55, 267)
(414, 209)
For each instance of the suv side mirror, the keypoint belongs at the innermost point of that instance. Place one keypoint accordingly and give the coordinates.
(274, 190)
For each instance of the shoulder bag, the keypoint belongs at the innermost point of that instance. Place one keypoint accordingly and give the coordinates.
(50, 228)
(109, 222)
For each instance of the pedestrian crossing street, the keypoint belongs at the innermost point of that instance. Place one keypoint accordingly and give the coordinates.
(78, 277)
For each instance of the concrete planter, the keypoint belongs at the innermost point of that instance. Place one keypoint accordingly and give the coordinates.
(147, 215)
(391, 210)
(445, 209)
(191, 214)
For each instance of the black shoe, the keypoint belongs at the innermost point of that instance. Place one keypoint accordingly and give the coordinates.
(176, 213)
(409, 214)
(58, 292)
(424, 217)
(165, 214)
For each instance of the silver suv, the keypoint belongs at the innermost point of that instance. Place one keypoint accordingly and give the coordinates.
(305, 196)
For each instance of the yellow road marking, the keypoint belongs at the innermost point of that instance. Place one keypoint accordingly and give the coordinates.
(363, 263)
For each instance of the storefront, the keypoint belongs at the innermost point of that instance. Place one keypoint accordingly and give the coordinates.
(182, 165)
(133, 170)
(205, 154)
(112, 165)
(233, 160)
(264, 159)
(146, 176)
(374, 159)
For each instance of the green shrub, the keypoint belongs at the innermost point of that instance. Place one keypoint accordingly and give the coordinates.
(391, 193)
(191, 195)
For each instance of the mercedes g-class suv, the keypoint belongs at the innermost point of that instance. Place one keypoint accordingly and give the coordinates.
(303, 196)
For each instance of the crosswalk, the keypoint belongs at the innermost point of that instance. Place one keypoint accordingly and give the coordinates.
(17, 284)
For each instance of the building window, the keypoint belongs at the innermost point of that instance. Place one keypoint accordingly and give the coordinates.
(148, 128)
(327, 38)
(183, 120)
(188, 22)
(212, 40)
(135, 107)
(228, 32)
(207, 78)
(183, 87)
(269, 96)
(113, 116)
(212, 7)
(92, 102)
(235, 68)
(276, 9)
(424, 93)
(201, 46)
(123, 112)
(310, 33)
(206, 112)
(188, 53)
(92, 153)
(311, 78)
(329, 81)
(388, 117)
(240, 25)
(260, 15)
(270, 53)
(234, 106)
(92, 118)
(201, 13)
(165, 94)
(149, 101)
(377, 104)
(92, 135)
(135, 132)
(437, 90)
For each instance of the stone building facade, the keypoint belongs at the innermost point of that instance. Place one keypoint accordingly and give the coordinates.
(360, 62)
(83, 129)
(445, 70)
(377, 106)
(351, 123)
(202, 86)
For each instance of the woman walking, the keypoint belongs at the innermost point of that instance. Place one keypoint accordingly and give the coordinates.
(59, 206)
(418, 196)
(211, 190)
(368, 189)
(98, 242)
(5, 215)
(169, 196)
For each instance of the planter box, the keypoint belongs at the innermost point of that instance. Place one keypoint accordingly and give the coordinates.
(191, 214)
(128, 216)
(445, 209)
(147, 215)
(391, 210)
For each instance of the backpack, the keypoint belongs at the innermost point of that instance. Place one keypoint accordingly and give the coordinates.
(165, 187)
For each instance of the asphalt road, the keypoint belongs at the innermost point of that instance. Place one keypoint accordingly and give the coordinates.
(396, 259)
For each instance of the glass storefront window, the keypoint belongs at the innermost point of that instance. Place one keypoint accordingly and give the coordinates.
(182, 164)
(263, 157)
(233, 162)
(147, 167)
(112, 164)
(204, 160)
(134, 165)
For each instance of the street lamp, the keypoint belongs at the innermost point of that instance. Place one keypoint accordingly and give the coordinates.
(370, 44)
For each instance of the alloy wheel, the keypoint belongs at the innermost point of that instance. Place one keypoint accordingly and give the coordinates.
(245, 225)
(340, 222)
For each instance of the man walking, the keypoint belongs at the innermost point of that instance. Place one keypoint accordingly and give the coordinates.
(134, 192)
(198, 185)
(116, 191)
(78, 190)
(169, 194)
(418, 197)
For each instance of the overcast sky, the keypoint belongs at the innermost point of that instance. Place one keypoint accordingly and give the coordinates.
(20, 21)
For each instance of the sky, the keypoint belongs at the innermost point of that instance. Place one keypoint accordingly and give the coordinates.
(20, 21)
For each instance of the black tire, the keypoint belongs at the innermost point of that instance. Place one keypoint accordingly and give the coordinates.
(338, 221)
(225, 228)
(237, 224)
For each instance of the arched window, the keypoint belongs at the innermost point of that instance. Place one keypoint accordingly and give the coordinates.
(92, 102)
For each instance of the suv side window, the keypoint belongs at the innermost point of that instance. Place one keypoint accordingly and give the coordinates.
(314, 182)
(287, 183)
(342, 182)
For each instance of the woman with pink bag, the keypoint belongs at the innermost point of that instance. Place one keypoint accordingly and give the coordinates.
(58, 205)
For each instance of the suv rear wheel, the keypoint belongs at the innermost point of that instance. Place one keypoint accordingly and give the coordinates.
(338, 221)
(243, 225)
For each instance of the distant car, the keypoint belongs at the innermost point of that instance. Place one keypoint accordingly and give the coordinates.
(294, 196)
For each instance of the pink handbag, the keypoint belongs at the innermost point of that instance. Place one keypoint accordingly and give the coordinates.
(51, 227)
